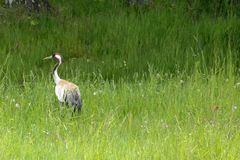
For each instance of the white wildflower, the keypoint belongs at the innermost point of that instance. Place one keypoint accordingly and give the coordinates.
(238, 84)
(164, 125)
(181, 81)
(17, 105)
(234, 108)
(46, 132)
(124, 63)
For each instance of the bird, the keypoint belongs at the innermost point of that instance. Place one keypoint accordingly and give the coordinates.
(67, 92)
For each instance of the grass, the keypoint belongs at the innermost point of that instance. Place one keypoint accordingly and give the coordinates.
(157, 83)
(102, 40)
(158, 118)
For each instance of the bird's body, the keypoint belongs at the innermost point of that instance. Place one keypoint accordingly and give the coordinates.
(66, 92)
(69, 94)
(62, 87)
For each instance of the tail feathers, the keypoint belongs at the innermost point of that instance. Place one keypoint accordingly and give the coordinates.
(74, 99)
(78, 103)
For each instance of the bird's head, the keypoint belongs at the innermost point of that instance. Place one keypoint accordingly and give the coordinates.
(55, 56)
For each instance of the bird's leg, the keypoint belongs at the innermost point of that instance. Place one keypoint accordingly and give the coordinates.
(79, 109)
(74, 110)
(66, 104)
(66, 101)
(60, 103)
(72, 114)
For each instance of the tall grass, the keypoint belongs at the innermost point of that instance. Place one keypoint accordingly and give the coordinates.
(161, 118)
(156, 83)
(118, 41)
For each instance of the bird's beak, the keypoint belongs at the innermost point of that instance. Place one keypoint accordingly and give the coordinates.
(50, 57)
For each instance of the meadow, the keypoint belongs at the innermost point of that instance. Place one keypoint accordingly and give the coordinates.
(159, 82)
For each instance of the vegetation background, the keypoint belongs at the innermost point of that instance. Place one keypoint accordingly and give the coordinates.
(158, 81)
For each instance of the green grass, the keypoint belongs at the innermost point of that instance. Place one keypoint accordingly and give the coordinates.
(104, 37)
(158, 118)
(157, 83)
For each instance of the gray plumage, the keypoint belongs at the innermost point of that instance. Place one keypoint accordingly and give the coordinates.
(73, 98)
(66, 92)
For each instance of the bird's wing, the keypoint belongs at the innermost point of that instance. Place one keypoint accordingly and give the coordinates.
(73, 97)
(67, 91)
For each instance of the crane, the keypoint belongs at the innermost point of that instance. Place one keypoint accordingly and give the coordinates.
(67, 92)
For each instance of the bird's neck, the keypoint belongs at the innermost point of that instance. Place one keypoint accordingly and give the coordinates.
(55, 74)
